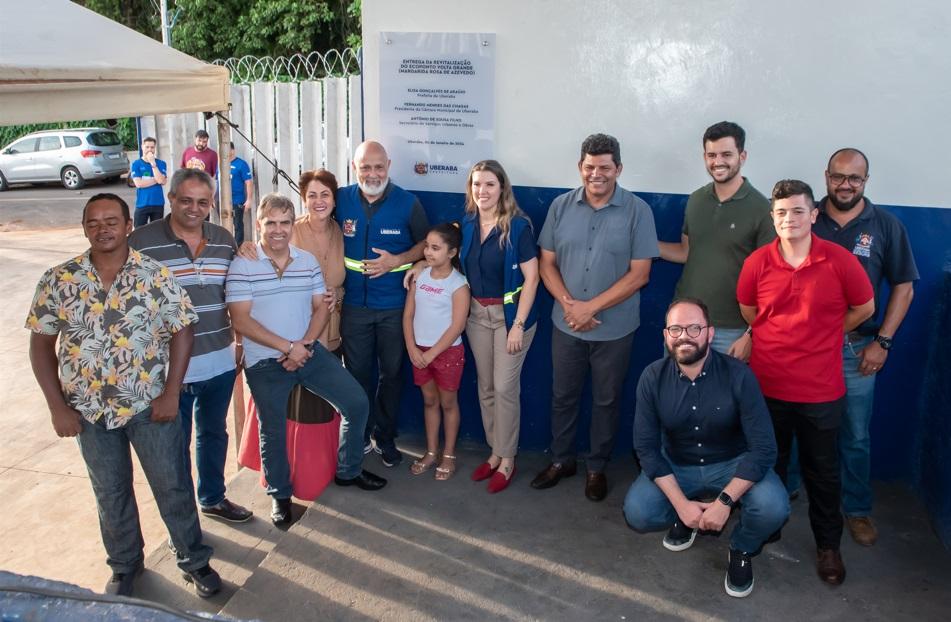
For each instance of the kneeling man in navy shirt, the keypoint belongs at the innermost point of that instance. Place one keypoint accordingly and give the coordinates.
(702, 430)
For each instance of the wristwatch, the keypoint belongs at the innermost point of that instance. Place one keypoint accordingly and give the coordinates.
(885, 342)
(726, 499)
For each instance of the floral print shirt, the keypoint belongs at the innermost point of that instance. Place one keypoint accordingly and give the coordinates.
(113, 344)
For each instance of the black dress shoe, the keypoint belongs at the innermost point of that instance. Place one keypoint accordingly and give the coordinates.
(364, 481)
(553, 474)
(596, 487)
(281, 511)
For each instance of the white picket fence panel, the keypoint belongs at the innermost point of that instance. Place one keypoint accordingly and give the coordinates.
(302, 125)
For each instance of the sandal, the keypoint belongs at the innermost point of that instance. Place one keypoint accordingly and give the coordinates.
(421, 465)
(446, 468)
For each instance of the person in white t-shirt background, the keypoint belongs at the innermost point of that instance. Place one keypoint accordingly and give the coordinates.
(433, 320)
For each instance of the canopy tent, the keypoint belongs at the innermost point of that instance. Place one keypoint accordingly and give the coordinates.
(62, 62)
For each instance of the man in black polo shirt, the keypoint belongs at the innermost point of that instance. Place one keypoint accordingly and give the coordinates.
(701, 429)
(880, 242)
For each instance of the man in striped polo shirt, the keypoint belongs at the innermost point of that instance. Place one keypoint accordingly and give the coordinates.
(276, 302)
(198, 254)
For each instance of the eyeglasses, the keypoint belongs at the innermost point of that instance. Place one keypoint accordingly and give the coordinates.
(854, 180)
(692, 330)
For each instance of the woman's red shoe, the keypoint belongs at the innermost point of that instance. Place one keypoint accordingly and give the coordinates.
(483, 471)
(498, 483)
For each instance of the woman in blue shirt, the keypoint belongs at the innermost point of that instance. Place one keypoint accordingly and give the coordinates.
(499, 257)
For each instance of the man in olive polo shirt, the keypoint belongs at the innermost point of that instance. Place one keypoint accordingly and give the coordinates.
(725, 221)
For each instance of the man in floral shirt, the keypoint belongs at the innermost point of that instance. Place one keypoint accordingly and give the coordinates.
(125, 336)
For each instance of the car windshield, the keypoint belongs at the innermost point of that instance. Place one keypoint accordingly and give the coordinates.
(103, 139)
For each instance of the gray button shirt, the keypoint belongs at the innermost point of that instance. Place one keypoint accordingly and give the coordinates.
(594, 249)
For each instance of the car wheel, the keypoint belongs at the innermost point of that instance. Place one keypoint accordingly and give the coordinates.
(3, 182)
(72, 179)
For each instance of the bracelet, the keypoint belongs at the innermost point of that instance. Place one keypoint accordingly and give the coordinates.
(290, 349)
(519, 323)
(749, 331)
(239, 344)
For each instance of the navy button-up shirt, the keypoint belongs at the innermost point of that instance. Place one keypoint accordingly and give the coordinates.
(714, 418)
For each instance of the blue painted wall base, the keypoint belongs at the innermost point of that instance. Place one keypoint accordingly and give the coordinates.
(908, 443)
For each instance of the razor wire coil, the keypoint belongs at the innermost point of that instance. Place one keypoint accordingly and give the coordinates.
(296, 68)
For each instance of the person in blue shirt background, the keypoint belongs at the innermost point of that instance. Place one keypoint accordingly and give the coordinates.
(148, 174)
(241, 193)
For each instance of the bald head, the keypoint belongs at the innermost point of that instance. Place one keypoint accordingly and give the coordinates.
(369, 147)
(371, 166)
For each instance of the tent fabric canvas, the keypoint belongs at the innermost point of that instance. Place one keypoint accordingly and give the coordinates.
(62, 62)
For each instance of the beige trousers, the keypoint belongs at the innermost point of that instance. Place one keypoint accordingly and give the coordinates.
(499, 376)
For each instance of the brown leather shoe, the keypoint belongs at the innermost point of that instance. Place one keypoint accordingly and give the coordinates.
(596, 487)
(862, 529)
(553, 474)
(830, 567)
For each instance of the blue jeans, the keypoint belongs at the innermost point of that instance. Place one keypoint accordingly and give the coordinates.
(109, 463)
(723, 338)
(374, 337)
(209, 399)
(271, 386)
(765, 506)
(854, 441)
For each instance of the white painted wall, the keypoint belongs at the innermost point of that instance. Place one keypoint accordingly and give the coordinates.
(803, 79)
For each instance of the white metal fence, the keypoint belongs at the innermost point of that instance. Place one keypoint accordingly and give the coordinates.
(314, 123)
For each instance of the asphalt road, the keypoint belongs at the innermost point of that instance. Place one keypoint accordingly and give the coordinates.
(47, 207)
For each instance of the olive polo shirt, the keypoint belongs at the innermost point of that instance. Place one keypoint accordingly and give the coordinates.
(594, 249)
(721, 236)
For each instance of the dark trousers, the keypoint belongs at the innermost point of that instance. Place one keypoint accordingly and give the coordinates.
(374, 336)
(145, 215)
(816, 429)
(572, 358)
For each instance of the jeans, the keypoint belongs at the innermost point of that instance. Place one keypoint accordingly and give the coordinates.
(238, 215)
(376, 336)
(571, 360)
(765, 506)
(723, 338)
(209, 399)
(109, 463)
(145, 215)
(854, 441)
(271, 386)
(816, 429)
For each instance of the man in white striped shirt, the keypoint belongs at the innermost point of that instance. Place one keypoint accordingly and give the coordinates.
(276, 303)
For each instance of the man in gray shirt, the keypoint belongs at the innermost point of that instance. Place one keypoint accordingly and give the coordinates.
(596, 250)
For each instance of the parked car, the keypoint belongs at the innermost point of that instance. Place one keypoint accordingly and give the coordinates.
(70, 156)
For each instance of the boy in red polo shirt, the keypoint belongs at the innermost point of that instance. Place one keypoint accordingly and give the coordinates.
(801, 294)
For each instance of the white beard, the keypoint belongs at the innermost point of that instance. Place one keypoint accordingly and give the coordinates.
(375, 190)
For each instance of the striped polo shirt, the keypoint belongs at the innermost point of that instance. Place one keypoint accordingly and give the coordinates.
(204, 280)
(283, 305)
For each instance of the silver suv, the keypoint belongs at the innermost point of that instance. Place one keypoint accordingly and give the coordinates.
(71, 157)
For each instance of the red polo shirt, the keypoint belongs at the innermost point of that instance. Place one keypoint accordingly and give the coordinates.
(800, 313)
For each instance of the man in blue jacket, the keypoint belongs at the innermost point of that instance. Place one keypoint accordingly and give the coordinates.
(384, 229)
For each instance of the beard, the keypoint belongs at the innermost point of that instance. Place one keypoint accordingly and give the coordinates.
(688, 357)
(373, 190)
(847, 205)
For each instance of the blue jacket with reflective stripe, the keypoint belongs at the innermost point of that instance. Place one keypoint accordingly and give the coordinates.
(387, 230)
(513, 277)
